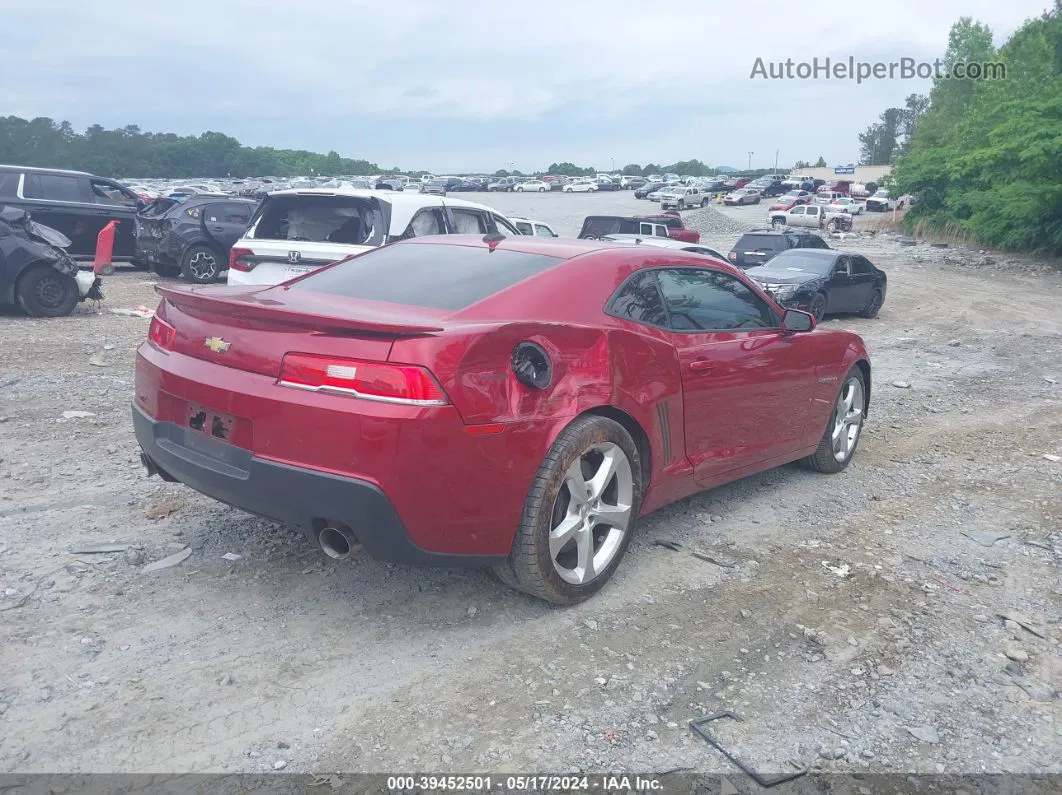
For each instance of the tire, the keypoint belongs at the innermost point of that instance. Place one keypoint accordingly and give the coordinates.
(818, 306)
(874, 302)
(834, 454)
(559, 575)
(705, 202)
(777, 224)
(42, 291)
(541, 190)
(166, 271)
(519, 190)
(201, 264)
(680, 206)
(569, 190)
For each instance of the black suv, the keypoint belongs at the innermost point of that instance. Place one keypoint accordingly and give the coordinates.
(760, 245)
(192, 237)
(75, 203)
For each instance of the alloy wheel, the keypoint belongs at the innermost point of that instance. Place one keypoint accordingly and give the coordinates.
(203, 266)
(847, 419)
(592, 513)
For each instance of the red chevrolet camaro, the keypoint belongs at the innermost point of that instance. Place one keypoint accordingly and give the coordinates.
(515, 403)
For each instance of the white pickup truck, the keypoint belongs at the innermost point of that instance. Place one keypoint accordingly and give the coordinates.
(817, 216)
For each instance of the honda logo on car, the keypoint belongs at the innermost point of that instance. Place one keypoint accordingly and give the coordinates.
(294, 256)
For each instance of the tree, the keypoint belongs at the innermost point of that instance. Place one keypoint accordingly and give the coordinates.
(632, 170)
(985, 156)
(569, 170)
(821, 162)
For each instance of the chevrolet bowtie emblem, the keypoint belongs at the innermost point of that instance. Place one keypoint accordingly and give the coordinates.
(217, 344)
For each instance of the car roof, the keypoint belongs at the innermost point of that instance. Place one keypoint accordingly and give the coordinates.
(823, 253)
(39, 170)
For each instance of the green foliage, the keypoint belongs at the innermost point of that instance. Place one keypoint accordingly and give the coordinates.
(570, 170)
(632, 170)
(821, 162)
(128, 152)
(985, 158)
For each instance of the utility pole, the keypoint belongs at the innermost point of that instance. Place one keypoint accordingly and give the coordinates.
(776, 161)
(750, 160)
(613, 165)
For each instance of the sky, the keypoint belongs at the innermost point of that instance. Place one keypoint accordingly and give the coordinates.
(478, 86)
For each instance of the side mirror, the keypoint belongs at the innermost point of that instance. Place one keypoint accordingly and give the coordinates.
(795, 321)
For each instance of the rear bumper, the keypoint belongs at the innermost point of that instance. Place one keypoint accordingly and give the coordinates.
(293, 495)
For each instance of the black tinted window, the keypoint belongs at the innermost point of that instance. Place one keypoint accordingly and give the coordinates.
(760, 243)
(333, 219)
(109, 193)
(228, 213)
(712, 301)
(9, 183)
(423, 274)
(54, 187)
(860, 265)
(812, 241)
(639, 300)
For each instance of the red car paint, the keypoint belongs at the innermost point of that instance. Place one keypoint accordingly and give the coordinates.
(458, 474)
(787, 202)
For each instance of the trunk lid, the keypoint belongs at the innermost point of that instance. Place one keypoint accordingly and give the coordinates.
(253, 329)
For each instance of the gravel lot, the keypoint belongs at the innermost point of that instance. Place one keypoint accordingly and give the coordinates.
(904, 615)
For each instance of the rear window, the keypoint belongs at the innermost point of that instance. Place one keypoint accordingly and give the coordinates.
(760, 243)
(429, 275)
(322, 219)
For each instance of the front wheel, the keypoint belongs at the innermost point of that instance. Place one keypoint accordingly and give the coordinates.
(839, 440)
(541, 190)
(201, 264)
(569, 190)
(43, 291)
(818, 306)
(778, 224)
(579, 515)
(519, 190)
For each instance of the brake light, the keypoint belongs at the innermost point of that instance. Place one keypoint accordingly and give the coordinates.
(390, 383)
(161, 334)
(241, 259)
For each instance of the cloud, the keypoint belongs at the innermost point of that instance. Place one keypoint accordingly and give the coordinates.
(477, 85)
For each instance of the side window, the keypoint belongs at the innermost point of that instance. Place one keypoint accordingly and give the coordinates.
(814, 241)
(708, 300)
(9, 183)
(227, 213)
(843, 267)
(109, 193)
(645, 228)
(639, 300)
(425, 222)
(524, 227)
(798, 210)
(860, 265)
(543, 231)
(53, 187)
(504, 226)
(468, 222)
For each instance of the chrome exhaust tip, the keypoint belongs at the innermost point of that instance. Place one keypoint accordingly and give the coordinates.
(337, 542)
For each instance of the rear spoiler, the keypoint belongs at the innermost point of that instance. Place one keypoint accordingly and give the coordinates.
(295, 311)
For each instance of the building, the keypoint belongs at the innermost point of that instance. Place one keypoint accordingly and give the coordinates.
(862, 174)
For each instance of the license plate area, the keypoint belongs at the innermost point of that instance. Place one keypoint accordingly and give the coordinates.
(210, 422)
(291, 273)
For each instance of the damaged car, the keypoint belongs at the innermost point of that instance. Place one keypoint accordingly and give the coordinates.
(191, 238)
(36, 273)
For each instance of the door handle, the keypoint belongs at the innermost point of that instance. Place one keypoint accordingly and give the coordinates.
(701, 366)
(217, 229)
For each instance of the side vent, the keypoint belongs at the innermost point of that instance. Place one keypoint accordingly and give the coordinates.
(663, 415)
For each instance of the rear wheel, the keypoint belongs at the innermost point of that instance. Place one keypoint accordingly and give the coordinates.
(43, 291)
(873, 306)
(541, 190)
(839, 440)
(201, 264)
(579, 515)
(705, 202)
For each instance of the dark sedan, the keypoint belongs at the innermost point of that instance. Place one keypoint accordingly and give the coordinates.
(191, 238)
(823, 282)
(646, 189)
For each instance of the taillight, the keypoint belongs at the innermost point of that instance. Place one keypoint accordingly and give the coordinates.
(390, 383)
(161, 334)
(241, 259)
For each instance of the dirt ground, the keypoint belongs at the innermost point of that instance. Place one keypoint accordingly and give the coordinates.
(903, 616)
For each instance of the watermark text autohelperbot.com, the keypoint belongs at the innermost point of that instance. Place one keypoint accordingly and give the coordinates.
(851, 69)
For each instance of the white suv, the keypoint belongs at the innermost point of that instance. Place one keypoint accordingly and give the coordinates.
(296, 231)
